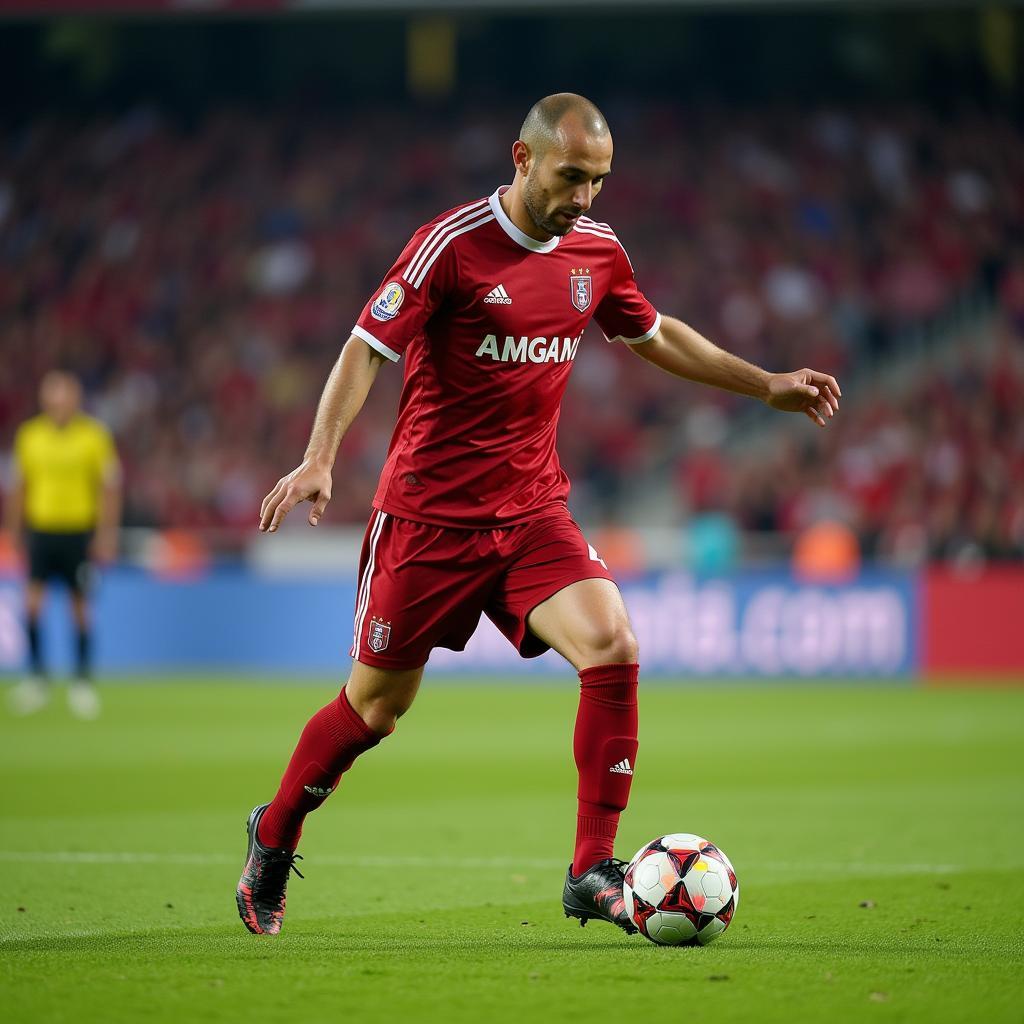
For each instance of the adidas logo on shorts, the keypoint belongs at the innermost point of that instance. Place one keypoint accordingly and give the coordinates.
(498, 296)
(622, 768)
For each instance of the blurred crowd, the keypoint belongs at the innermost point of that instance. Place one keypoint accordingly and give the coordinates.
(926, 466)
(200, 278)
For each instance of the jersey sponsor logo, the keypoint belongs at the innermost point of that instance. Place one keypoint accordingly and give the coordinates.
(580, 288)
(498, 296)
(380, 634)
(525, 349)
(388, 302)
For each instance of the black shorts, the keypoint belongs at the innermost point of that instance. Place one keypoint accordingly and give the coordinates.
(62, 556)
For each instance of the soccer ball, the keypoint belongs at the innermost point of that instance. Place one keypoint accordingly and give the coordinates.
(681, 890)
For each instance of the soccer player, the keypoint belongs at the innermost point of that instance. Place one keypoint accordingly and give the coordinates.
(488, 303)
(66, 496)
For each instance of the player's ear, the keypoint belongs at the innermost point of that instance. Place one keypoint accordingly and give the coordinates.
(521, 156)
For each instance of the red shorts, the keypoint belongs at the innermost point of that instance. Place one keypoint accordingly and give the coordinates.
(423, 586)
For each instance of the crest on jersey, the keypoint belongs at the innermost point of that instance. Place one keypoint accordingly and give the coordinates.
(580, 291)
(388, 302)
(380, 634)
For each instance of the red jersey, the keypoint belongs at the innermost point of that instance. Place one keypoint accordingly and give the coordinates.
(490, 321)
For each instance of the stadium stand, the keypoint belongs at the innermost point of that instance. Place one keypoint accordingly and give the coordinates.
(200, 279)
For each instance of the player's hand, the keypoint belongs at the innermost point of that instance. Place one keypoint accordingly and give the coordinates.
(104, 547)
(808, 391)
(309, 482)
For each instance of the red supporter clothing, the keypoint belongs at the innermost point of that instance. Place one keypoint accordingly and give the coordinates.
(490, 321)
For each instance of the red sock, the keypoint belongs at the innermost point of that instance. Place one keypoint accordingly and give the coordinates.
(333, 738)
(604, 745)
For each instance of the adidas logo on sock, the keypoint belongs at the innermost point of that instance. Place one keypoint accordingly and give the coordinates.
(319, 791)
(622, 768)
(498, 296)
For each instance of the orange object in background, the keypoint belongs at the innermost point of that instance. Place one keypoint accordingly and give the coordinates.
(177, 554)
(622, 550)
(10, 558)
(826, 552)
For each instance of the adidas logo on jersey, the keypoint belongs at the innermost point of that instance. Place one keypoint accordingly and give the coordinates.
(498, 296)
(622, 768)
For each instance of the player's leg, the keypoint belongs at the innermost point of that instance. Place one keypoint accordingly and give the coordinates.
(558, 593)
(35, 599)
(365, 711)
(72, 566)
(35, 596)
(83, 700)
(33, 692)
(81, 614)
(587, 624)
(414, 594)
(385, 675)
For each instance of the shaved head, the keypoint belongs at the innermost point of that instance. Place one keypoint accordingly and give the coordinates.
(540, 130)
(562, 156)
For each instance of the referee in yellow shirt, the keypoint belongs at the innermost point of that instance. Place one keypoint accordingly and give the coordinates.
(65, 506)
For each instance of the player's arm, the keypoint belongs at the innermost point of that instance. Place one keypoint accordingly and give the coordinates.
(108, 519)
(343, 396)
(680, 350)
(14, 500)
(14, 504)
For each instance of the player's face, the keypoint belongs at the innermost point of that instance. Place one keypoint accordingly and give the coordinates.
(60, 397)
(560, 184)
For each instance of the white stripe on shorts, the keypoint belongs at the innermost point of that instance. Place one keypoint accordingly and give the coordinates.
(363, 598)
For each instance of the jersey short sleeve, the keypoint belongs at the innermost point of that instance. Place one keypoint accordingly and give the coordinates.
(411, 292)
(624, 313)
(105, 454)
(19, 462)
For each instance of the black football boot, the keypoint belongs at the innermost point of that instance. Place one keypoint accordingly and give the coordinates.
(261, 889)
(597, 893)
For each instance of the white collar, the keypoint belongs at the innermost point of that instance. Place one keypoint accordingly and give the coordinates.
(512, 231)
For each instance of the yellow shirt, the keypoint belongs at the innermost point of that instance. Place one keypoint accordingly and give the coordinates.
(63, 469)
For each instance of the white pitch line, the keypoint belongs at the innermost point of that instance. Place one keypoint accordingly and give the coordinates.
(334, 860)
(211, 859)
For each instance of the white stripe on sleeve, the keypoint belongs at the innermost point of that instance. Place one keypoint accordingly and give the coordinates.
(422, 273)
(452, 221)
(643, 337)
(376, 343)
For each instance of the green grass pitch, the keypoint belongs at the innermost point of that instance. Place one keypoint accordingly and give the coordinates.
(878, 833)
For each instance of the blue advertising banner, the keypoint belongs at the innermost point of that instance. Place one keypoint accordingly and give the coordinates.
(760, 624)
(750, 624)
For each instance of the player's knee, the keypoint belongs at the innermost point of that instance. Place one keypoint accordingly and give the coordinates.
(625, 648)
(381, 714)
(379, 718)
(614, 645)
